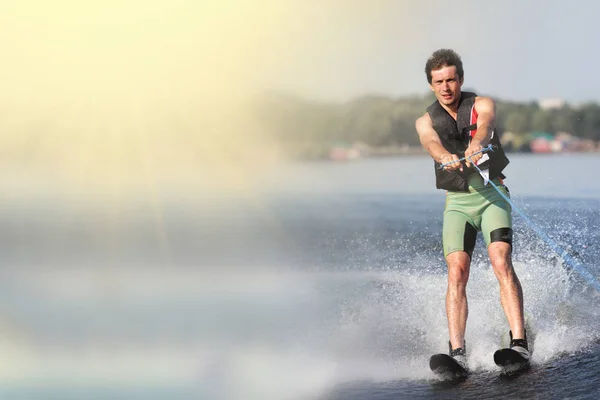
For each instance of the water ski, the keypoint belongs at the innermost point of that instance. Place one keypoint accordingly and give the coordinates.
(447, 367)
(511, 360)
(516, 356)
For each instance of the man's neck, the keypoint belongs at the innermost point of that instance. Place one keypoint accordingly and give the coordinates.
(452, 109)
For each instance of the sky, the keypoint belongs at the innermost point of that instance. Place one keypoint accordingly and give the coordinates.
(168, 51)
(516, 50)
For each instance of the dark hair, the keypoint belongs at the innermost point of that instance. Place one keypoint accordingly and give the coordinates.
(444, 58)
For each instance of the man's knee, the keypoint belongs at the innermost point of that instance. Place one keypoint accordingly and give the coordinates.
(458, 267)
(500, 250)
(502, 265)
(500, 257)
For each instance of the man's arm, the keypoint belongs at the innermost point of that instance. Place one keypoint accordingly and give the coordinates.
(486, 122)
(431, 142)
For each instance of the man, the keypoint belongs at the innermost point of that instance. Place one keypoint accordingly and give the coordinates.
(460, 124)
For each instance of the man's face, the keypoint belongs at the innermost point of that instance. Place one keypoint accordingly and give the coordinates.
(446, 85)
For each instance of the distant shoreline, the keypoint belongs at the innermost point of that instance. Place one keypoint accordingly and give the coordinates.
(348, 154)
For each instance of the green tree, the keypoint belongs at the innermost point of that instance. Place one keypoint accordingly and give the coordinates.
(540, 121)
(517, 121)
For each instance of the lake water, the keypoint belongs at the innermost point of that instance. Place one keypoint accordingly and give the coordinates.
(325, 281)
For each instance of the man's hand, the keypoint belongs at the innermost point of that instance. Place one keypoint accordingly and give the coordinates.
(470, 156)
(452, 161)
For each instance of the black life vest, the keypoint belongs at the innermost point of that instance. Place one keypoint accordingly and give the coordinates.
(455, 136)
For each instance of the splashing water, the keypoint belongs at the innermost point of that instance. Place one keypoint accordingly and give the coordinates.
(322, 328)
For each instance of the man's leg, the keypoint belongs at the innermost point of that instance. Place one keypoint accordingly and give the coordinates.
(511, 293)
(459, 238)
(498, 234)
(456, 296)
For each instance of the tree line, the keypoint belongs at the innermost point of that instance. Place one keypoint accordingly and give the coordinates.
(308, 128)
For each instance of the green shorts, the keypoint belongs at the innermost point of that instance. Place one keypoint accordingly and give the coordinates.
(482, 209)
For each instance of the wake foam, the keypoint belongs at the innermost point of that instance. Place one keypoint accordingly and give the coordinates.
(331, 328)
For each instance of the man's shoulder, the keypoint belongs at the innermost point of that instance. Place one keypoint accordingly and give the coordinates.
(486, 102)
(484, 99)
(424, 119)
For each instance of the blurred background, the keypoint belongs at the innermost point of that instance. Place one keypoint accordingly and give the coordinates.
(181, 181)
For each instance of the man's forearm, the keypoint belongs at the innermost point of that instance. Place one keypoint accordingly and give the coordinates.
(483, 134)
(436, 150)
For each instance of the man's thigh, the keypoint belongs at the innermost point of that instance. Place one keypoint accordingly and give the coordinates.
(458, 234)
